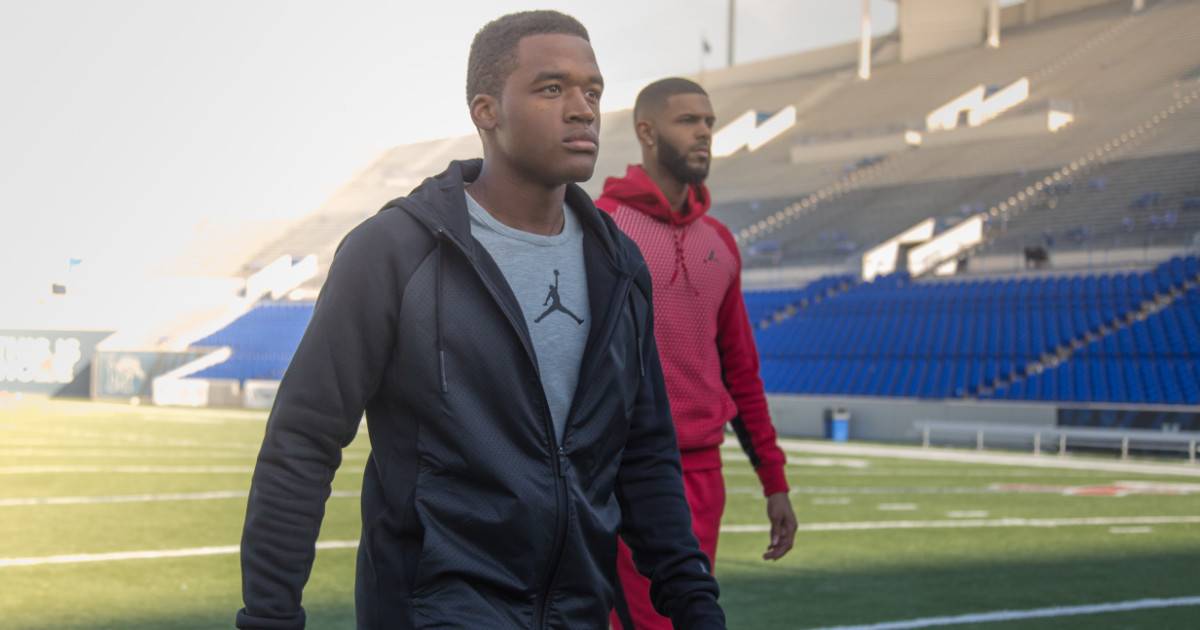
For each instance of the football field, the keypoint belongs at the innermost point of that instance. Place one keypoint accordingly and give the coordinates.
(115, 516)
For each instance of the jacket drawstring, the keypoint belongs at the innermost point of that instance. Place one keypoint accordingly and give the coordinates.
(437, 312)
(637, 333)
(681, 261)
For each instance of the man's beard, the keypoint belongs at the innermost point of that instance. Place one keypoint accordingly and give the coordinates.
(675, 161)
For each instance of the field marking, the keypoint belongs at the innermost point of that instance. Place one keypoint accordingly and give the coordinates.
(967, 514)
(975, 457)
(144, 453)
(128, 439)
(74, 469)
(932, 473)
(1131, 530)
(119, 453)
(1035, 613)
(973, 524)
(838, 490)
(1159, 486)
(896, 507)
(145, 498)
(727, 529)
(155, 554)
(141, 470)
(829, 462)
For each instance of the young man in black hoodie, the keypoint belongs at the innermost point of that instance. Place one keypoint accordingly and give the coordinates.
(497, 331)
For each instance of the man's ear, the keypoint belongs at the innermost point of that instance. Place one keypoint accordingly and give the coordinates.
(645, 133)
(485, 112)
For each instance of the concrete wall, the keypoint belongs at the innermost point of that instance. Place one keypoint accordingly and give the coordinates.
(930, 27)
(54, 362)
(1035, 10)
(891, 419)
(1031, 11)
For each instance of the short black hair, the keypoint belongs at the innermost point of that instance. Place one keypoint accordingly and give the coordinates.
(493, 53)
(656, 94)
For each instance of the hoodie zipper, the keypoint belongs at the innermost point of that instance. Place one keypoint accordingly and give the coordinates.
(611, 318)
(558, 454)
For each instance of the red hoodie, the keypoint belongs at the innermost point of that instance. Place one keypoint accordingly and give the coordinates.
(704, 337)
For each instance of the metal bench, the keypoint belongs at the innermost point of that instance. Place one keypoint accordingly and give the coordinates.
(1125, 439)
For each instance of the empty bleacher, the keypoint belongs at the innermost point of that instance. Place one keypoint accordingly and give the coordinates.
(998, 338)
(1153, 360)
(766, 306)
(263, 341)
(1117, 71)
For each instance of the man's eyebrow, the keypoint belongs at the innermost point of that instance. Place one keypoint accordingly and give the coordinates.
(555, 75)
(549, 75)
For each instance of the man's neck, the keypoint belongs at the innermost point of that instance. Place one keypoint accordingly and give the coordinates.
(674, 190)
(518, 202)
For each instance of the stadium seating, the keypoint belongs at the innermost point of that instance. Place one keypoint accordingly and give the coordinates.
(762, 305)
(977, 338)
(263, 341)
(1154, 360)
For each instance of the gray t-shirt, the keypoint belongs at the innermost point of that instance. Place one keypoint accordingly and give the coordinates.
(547, 276)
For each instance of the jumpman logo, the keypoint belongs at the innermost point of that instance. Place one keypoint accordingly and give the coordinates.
(556, 303)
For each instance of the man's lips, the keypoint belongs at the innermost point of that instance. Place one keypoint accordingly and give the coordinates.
(584, 142)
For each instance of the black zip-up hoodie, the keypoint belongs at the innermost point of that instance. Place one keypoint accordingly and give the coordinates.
(472, 516)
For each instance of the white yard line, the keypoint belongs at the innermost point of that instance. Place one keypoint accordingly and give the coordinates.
(143, 498)
(155, 554)
(118, 453)
(144, 453)
(137, 470)
(728, 529)
(974, 524)
(142, 470)
(933, 473)
(976, 457)
(94, 438)
(831, 501)
(1036, 613)
(881, 490)
(1131, 530)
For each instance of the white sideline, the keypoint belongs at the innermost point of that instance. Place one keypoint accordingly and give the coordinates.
(728, 529)
(1036, 613)
(143, 498)
(149, 555)
(52, 469)
(161, 470)
(973, 524)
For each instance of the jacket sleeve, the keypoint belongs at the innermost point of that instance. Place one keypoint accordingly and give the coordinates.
(655, 518)
(739, 366)
(336, 369)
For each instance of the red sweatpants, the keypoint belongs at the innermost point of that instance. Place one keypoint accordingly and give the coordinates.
(705, 490)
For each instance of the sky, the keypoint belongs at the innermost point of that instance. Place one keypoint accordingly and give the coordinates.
(124, 125)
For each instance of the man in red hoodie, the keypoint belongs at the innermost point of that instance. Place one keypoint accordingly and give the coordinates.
(700, 323)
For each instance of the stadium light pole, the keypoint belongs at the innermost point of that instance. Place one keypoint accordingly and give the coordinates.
(993, 40)
(864, 46)
(729, 37)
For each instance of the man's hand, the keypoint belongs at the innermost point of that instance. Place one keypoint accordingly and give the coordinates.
(783, 525)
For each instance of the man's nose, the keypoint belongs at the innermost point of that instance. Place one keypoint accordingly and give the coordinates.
(578, 109)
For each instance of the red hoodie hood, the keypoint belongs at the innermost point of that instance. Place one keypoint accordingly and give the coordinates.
(638, 191)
